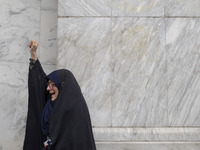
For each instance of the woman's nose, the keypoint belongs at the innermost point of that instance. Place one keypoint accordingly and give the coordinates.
(48, 88)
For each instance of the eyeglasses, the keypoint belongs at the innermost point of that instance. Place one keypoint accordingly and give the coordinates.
(50, 84)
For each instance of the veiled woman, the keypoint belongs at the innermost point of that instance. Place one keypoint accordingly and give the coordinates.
(58, 116)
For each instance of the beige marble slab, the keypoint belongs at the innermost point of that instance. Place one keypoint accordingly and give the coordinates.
(139, 87)
(84, 8)
(84, 47)
(20, 22)
(182, 8)
(137, 8)
(48, 32)
(182, 45)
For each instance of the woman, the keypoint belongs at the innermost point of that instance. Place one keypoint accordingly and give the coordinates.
(58, 117)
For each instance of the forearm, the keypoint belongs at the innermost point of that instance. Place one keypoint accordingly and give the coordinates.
(33, 55)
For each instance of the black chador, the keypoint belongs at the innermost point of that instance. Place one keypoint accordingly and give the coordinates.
(69, 125)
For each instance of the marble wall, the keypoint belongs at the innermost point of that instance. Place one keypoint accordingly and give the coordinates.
(137, 63)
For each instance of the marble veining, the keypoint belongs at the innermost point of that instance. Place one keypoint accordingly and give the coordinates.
(84, 8)
(48, 32)
(139, 87)
(182, 8)
(182, 45)
(13, 105)
(84, 47)
(138, 8)
(19, 23)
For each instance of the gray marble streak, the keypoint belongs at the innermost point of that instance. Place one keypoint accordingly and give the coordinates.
(84, 8)
(137, 8)
(183, 47)
(182, 8)
(139, 87)
(84, 48)
(18, 24)
(146, 134)
(183, 95)
(48, 32)
(149, 146)
(13, 107)
(183, 42)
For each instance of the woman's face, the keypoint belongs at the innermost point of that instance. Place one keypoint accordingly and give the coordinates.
(53, 90)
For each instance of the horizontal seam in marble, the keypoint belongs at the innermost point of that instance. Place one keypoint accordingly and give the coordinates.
(148, 127)
(110, 17)
(147, 142)
(128, 17)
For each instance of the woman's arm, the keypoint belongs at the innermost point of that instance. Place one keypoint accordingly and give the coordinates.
(36, 101)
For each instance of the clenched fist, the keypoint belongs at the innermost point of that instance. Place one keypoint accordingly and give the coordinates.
(33, 47)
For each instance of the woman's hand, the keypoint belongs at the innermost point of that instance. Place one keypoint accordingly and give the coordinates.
(33, 49)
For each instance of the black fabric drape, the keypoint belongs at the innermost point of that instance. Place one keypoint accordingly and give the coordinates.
(36, 100)
(70, 125)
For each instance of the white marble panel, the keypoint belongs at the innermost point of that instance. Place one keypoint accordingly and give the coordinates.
(146, 134)
(13, 106)
(48, 32)
(183, 42)
(137, 8)
(182, 7)
(18, 24)
(139, 88)
(183, 95)
(84, 8)
(48, 68)
(149, 146)
(84, 47)
(51, 5)
(14, 103)
(183, 48)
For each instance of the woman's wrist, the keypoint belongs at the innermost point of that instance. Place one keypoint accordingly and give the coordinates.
(34, 55)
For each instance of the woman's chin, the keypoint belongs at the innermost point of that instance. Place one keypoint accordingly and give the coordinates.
(53, 97)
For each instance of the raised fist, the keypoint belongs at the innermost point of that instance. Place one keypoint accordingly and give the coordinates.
(33, 47)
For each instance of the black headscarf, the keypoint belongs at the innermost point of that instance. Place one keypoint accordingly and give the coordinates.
(70, 125)
(46, 114)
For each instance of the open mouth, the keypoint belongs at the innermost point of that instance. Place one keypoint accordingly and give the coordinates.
(52, 94)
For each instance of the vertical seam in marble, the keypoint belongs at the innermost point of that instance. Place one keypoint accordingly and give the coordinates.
(166, 58)
(112, 71)
(164, 7)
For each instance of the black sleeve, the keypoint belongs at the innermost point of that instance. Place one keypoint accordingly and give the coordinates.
(36, 101)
